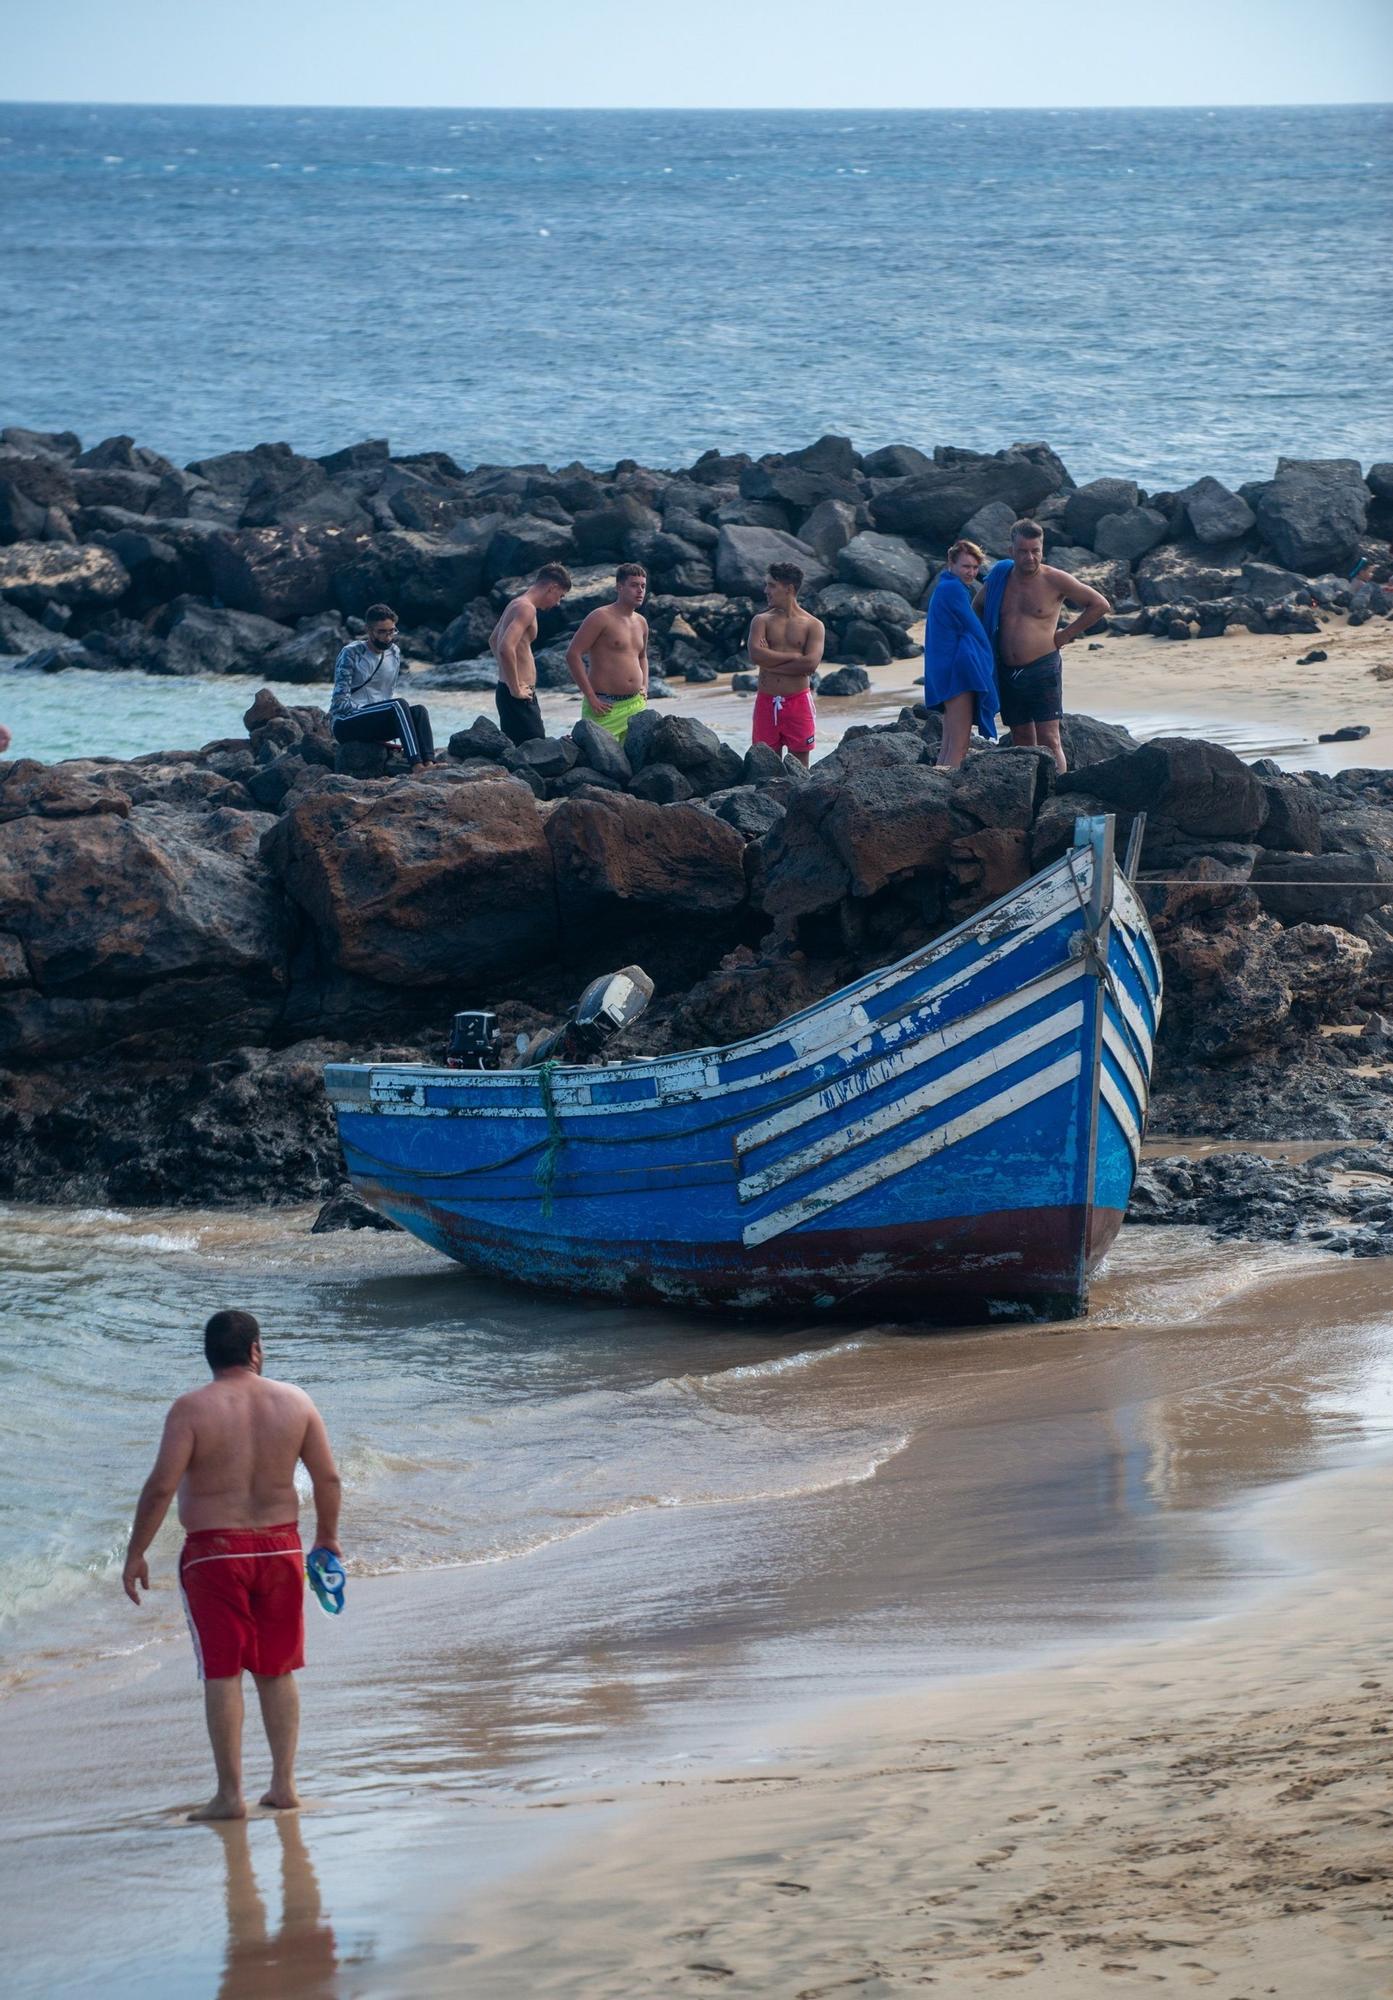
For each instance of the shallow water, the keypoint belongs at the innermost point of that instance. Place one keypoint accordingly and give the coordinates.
(587, 1547)
(480, 1428)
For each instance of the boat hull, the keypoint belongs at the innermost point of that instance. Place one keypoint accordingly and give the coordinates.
(951, 1138)
(1009, 1263)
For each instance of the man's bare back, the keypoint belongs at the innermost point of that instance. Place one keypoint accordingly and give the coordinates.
(246, 1436)
(795, 631)
(510, 642)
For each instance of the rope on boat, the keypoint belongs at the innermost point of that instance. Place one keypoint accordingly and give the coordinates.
(551, 1151)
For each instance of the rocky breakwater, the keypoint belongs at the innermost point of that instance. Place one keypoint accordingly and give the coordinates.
(187, 937)
(263, 561)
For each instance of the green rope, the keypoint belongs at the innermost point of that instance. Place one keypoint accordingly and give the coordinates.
(546, 1166)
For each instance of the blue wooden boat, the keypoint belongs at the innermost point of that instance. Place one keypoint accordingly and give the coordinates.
(952, 1137)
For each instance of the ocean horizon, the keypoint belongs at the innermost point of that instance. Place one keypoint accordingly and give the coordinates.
(1159, 294)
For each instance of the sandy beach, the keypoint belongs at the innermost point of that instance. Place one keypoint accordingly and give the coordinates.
(1209, 1811)
(1245, 690)
(768, 1744)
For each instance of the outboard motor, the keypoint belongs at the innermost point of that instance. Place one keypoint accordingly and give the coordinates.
(605, 1009)
(475, 1042)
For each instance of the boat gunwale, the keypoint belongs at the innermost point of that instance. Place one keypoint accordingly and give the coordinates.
(695, 1064)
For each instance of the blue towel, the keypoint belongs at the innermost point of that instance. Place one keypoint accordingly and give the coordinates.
(957, 655)
(997, 579)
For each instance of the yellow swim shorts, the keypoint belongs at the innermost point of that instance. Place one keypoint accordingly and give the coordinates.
(617, 717)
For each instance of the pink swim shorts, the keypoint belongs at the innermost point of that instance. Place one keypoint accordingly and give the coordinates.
(786, 721)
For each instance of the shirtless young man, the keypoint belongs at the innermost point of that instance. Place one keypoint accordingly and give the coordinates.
(608, 657)
(1021, 614)
(510, 642)
(785, 643)
(229, 1451)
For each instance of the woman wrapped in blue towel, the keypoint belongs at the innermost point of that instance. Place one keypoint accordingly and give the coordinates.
(959, 671)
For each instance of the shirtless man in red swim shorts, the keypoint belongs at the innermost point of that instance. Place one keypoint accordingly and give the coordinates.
(229, 1451)
(786, 644)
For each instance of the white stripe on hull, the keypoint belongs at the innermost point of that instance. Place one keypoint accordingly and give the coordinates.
(1131, 1069)
(1116, 1101)
(1066, 1070)
(839, 1090)
(990, 1063)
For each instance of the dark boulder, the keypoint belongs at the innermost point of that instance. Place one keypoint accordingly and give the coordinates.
(896, 461)
(744, 554)
(521, 545)
(752, 813)
(198, 639)
(21, 519)
(1086, 740)
(1131, 533)
(36, 574)
(425, 580)
(855, 680)
(1214, 514)
(1314, 512)
(1088, 505)
(280, 573)
(852, 838)
(829, 527)
(1280, 882)
(857, 639)
(468, 635)
(482, 738)
(990, 527)
(662, 784)
(603, 532)
(621, 859)
(345, 1210)
(427, 882)
(932, 506)
(548, 756)
(1201, 788)
(600, 752)
(134, 920)
(1292, 820)
(1181, 573)
(883, 562)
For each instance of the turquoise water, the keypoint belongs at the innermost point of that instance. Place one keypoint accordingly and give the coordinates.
(1158, 293)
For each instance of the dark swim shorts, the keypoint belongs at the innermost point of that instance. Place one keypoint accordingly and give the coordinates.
(1033, 693)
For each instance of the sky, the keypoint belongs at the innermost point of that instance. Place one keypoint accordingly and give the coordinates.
(846, 54)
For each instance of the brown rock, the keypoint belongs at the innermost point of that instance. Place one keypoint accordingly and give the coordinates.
(420, 883)
(615, 851)
(161, 917)
(33, 574)
(280, 573)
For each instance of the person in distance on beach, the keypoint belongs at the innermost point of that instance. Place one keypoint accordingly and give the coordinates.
(1020, 605)
(510, 642)
(785, 643)
(959, 673)
(608, 657)
(229, 1451)
(365, 706)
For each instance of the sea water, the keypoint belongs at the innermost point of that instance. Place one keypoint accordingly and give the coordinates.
(1159, 293)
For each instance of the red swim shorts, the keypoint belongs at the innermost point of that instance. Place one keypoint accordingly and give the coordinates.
(785, 721)
(244, 1597)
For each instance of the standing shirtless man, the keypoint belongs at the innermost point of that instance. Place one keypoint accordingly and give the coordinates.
(608, 657)
(229, 1451)
(1020, 605)
(785, 643)
(510, 642)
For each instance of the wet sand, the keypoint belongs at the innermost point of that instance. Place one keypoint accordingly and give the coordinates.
(1210, 1811)
(513, 1770)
